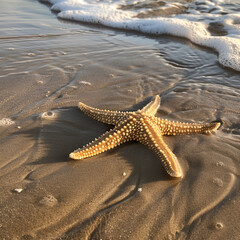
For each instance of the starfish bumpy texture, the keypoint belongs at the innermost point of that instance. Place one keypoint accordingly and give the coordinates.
(142, 126)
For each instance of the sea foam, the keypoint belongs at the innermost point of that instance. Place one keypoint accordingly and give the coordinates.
(192, 25)
(6, 122)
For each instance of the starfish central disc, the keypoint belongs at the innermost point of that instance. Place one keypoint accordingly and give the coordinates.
(142, 126)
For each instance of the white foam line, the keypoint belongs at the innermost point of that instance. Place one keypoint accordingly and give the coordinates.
(108, 15)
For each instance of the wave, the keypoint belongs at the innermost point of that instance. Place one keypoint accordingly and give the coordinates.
(192, 24)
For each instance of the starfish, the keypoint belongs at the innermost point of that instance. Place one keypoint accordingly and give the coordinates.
(141, 126)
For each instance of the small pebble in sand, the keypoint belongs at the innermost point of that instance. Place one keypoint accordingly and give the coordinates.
(219, 226)
(140, 189)
(19, 127)
(124, 174)
(220, 164)
(48, 93)
(27, 237)
(40, 82)
(18, 190)
(49, 201)
(31, 54)
(218, 182)
(85, 83)
(111, 75)
(11, 48)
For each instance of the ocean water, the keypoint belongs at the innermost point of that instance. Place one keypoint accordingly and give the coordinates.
(214, 24)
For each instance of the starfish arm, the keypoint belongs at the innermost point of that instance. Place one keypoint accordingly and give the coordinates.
(179, 128)
(152, 107)
(152, 137)
(105, 116)
(111, 139)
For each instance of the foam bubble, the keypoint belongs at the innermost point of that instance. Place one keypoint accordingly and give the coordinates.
(6, 122)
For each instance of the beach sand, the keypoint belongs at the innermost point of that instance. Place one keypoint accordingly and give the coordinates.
(47, 66)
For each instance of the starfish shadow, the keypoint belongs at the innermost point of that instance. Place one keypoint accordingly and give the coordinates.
(58, 132)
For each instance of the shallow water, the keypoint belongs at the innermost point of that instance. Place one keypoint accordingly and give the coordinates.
(213, 24)
(50, 65)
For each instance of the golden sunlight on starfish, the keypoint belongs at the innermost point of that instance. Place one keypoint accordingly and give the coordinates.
(142, 126)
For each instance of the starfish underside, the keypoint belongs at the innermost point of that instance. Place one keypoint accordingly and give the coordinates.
(142, 126)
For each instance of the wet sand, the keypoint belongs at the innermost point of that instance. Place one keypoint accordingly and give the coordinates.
(47, 66)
